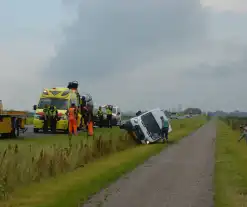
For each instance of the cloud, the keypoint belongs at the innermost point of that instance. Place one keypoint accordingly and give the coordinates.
(21, 71)
(26, 44)
(226, 5)
(139, 41)
(137, 54)
(113, 36)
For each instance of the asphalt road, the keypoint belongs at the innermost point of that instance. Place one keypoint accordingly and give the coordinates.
(180, 176)
(30, 134)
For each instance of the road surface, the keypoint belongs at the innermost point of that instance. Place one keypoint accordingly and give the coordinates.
(30, 134)
(180, 176)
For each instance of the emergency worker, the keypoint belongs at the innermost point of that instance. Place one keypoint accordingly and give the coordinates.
(72, 117)
(164, 129)
(244, 133)
(53, 113)
(101, 116)
(46, 118)
(83, 110)
(109, 116)
(85, 114)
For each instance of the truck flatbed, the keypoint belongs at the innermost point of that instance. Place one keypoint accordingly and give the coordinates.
(12, 122)
(14, 113)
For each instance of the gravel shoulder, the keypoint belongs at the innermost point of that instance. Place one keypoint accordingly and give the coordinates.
(180, 176)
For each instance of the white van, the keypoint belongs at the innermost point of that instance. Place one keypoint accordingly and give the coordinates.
(116, 115)
(146, 127)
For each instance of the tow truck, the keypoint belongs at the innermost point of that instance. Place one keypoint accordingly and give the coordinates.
(12, 122)
(145, 128)
(61, 98)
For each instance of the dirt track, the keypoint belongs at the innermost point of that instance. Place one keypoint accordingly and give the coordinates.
(180, 176)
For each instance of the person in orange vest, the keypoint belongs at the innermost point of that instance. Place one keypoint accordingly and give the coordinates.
(72, 117)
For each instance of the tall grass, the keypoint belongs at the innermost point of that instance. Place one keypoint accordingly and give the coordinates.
(21, 166)
(230, 168)
(29, 120)
(235, 122)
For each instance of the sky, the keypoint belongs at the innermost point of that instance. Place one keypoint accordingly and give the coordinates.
(137, 54)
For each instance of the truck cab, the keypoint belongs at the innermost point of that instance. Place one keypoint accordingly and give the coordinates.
(146, 127)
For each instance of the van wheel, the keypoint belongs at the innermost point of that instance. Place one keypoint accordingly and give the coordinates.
(35, 130)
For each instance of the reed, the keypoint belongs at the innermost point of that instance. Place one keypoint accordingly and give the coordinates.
(21, 166)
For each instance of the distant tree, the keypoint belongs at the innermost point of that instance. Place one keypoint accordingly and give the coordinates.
(193, 111)
(167, 113)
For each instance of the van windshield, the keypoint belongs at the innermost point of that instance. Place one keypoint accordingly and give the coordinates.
(60, 104)
(150, 123)
(114, 110)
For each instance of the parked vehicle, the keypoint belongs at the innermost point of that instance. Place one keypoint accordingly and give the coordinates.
(12, 122)
(116, 116)
(61, 98)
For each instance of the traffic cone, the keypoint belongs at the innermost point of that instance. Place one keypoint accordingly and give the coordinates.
(90, 128)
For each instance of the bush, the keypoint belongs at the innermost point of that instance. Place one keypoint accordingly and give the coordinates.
(234, 122)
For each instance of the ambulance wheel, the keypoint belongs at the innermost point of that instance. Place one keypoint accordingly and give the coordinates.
(35, 130)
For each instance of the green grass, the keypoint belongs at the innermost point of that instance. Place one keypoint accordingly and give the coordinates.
(30, 160)
(230, 168)
(29, 121)
(59, 139)
(68, 189)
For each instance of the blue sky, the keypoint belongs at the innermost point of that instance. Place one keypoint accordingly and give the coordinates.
(152, 53)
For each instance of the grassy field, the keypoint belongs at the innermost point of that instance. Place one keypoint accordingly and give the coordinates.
(28, 160)
(68, 189)
(29, 121)
(230, 167)
(234, 122)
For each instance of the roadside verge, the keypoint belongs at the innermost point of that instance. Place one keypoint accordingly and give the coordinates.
(230, 178)
(75, 187)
